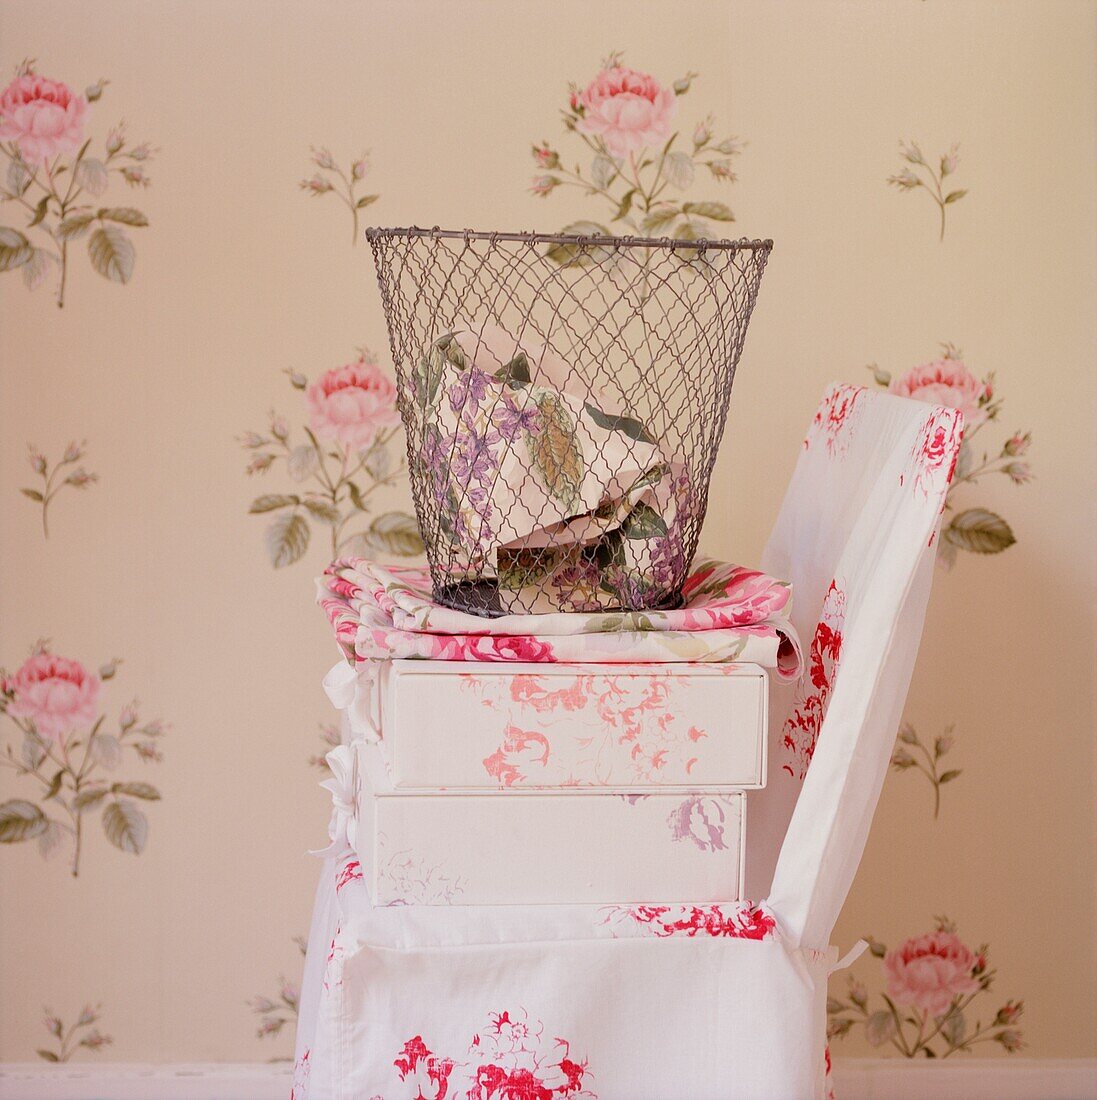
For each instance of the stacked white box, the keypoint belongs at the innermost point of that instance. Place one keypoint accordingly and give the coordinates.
(518, 726)
(541, 784)
(443, 848)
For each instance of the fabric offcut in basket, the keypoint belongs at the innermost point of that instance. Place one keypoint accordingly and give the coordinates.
(563, 496)
(729, 613)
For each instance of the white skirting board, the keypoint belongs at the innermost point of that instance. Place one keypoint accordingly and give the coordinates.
(855, 1079)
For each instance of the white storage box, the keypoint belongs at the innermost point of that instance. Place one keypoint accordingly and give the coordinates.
(458, 725)
(496, 848)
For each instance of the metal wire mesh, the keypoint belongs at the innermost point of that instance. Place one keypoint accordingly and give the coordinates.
(564, 398)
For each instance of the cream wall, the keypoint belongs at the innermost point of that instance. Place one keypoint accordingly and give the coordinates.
(241, 276)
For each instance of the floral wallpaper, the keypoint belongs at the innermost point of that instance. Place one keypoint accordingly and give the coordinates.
(72, 749)
(948, 381)
(329, 179)
(920, 173)
(53, 171)
(67, 1040)
(136, 526)
(931, 984)
(637, 163)
(63, 473)
(353, 426)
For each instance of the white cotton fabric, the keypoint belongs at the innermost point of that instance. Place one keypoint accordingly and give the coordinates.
(649, 1012)
(422, 1003)
(856, 536)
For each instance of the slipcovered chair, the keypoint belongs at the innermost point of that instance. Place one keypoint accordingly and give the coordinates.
(657, 1002)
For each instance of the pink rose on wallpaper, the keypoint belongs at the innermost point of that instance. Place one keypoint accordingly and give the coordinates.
(57, 694)
(628, 110)
(945, 382)
(70, 750)
(42, 117)
(936, 978)
(351, 404)
(929, 971)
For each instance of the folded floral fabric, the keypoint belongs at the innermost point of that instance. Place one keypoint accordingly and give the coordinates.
(729, 613)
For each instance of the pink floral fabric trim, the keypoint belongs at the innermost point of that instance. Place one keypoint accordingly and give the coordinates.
(730, 614)
(729, 920)
(738, 920)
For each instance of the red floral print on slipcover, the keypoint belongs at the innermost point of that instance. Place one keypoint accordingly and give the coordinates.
(934, 454)
(301, 1071)
(801, 731)
(507, 1060)
(421, 1068)
(351, 871)
(834, 418)
(333, 965)
(740, 921)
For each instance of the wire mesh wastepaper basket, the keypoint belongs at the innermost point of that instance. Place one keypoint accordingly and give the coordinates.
(564, 399)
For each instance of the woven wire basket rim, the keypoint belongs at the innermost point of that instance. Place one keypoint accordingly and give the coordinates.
(378, 233)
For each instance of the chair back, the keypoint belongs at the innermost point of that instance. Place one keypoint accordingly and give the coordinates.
(857, 537)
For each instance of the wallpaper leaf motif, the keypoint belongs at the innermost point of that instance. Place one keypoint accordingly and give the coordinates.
(625, 119)
(344, 459)
(931, 983)
(56, 478)
(330, 738)
(276, 1012)
(913, 754)
(75, 1037)
(948, 381)
(330, 179)
(67, 748)
(53, 172)
(919, 173)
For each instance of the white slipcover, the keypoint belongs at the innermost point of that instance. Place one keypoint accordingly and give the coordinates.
(672, 1002)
